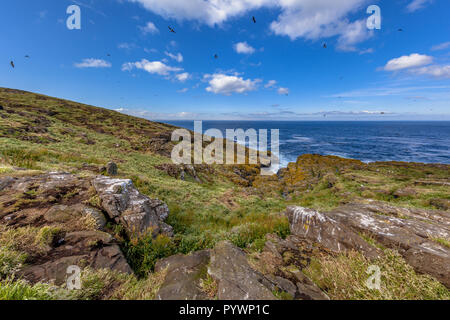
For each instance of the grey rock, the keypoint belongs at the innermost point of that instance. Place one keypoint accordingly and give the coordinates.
(138, 214)
(413, 238)
(184, 273)
(97, 215)
(323, 229)
(236, 279)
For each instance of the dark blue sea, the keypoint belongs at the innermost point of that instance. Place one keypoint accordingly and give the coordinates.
(427, 142)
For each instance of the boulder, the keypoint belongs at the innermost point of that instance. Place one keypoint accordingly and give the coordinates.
(138, 214)
(412, 238)
(184, 273)
(59, 201)
(83, 249)
(236, 279)
(322, 229)
(287, 258)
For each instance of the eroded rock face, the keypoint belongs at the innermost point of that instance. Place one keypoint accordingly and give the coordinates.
(61, 202)
(331, 234)
(414, 238)
(414, 235)
(92, 249)
(184, 274)
(236, 279)
(136, 212)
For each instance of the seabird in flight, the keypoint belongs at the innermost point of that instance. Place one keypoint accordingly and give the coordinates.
(171, 30)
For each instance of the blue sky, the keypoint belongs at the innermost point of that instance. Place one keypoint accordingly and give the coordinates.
(125, 58)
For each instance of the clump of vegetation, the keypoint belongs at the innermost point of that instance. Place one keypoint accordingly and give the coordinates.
(11, 262)
(22, 290)
(442, 241)
(143, 254)
(46, 236)
(209, 286)
(399, 281)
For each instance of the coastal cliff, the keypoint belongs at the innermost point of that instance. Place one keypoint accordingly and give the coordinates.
(90, 187)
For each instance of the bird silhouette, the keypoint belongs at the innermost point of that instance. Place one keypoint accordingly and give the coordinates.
(108, 55)
(254, 19)
(400, 30)
(216, 56)
(12, 64)
(27, 56)
(171, 30)
(324, 45)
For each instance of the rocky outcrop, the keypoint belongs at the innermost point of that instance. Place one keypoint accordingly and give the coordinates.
(323, 229)
(135, 211)
(93, 249)
(76, 222)
(234, 277)
(184, 274)
(413, 236)
(414, 239)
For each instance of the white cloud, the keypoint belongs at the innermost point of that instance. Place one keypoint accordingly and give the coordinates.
(149, 28)
(154, 67)
(244, 48)
(126, 46)
(406, 62)
(309, 19)
(270, 84)
(434, 71)
(177, 57)
(93, 63)
(184, 90)
(227, 85)
(441, 46)
(283, 91)
(352, 34)
(183, 76)
(417, 5)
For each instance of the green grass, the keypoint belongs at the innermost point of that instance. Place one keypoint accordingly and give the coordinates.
(398, 279)
(21, 290)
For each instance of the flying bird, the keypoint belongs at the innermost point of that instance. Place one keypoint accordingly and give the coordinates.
(400, 30)
(171, 30)
(324, 45)
(12, 64)
(27, 56)
(254, 19)
(108, 55)
(216, 56)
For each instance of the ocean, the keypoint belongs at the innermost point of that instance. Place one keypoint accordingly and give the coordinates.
(426, 142)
